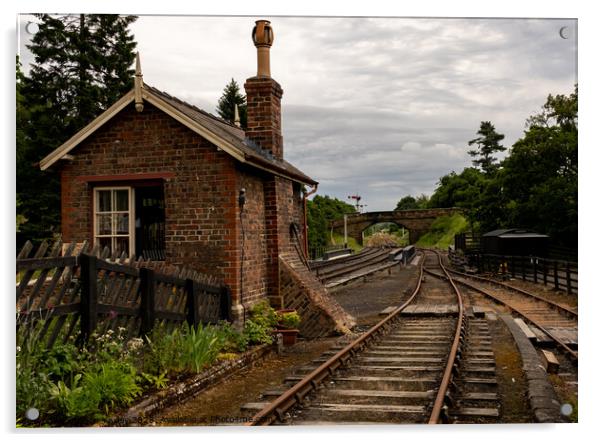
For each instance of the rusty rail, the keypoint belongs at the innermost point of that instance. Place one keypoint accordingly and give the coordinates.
(572, 354)
(453, 353)
(279, 407)
(562, 308)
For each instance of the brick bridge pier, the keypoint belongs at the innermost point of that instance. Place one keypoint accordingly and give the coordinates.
(417, 222)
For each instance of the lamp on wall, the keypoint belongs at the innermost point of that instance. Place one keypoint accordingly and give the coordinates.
(242, 198)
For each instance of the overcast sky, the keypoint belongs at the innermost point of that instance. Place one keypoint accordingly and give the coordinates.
(382, 107)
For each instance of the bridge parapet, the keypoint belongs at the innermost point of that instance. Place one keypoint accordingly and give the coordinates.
(417, 221)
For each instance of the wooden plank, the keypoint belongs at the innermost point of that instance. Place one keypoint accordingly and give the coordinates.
(387, 311)
(471, 411)
(381, 393)
(254, 406)
(29, 273)
(409, 409)
(46, 263)
(477, 396)
(552, 363)
(525, 329)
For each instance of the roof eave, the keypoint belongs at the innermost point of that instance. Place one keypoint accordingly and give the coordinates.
(270, 167)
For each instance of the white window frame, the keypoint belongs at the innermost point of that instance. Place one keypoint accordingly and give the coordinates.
(131, 212)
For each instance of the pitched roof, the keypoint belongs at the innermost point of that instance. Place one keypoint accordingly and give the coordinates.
(230, 138)
(514, 233)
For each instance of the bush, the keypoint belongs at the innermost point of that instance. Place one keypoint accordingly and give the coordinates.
(289, 320)
(200, 347)
(112, 384)
(258, 328)
(234, 340)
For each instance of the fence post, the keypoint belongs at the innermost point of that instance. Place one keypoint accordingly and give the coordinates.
(555, 274)
(534, 269)
(523, 265)
(225, 303)
(192, 303)
(147, 300)
(89, 297)
(545, 272)
(512, 266)
(568, 278)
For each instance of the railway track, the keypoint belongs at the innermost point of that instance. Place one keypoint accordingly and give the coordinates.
(552, 322)
(342, 270)
(411, 367)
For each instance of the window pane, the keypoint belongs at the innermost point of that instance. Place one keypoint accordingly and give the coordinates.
(103, 224)
(104, 242)
(121, 200)
(122, 245)
(103, 201)
(122, 223)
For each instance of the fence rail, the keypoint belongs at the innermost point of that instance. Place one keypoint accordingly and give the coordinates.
(562, 275)
(94, 291)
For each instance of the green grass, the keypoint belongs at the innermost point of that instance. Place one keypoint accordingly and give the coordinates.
(351, 243)
(442, 232)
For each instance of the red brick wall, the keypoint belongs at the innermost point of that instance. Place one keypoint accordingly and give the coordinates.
(201, 199)
(255, 267)
(264, 124)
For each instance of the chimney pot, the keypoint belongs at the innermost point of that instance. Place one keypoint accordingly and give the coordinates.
(263, 37)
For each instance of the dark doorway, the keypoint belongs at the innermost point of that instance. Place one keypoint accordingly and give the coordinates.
(150, 223)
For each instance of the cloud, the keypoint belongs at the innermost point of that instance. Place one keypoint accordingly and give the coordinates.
(379, 106)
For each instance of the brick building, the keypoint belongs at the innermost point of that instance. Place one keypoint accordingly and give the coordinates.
(160, 178)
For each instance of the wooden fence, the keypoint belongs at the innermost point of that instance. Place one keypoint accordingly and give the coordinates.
(94, 291)
(562, 275)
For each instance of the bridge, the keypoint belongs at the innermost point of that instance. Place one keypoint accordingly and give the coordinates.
(418, 222)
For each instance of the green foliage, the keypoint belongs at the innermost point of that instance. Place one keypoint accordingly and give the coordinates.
(289, 319)
(442, 232)
(534, 187)
(408, 202)
(200, 347)
(33, 382)
(161, 350)
(539, 177)
(339, 240)
(258, 328)
(110, 385)
(321, 211)
(488, 143)
(155, 381)
(75, 401)
(233, 340)
(230, 97)
(82, 64)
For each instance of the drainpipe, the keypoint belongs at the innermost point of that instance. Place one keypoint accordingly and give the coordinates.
(305, 196)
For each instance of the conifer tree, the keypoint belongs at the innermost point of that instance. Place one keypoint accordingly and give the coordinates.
(82, 65)
(230, 97)
(487, 143)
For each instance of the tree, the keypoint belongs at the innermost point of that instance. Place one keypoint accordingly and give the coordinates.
(82, 65)
(462, 190)
(407, 203)
(230, 97)
(539, 177)
(487, 144)
(321, 211)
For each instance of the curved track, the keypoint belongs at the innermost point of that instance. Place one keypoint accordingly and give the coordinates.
(399, 371)
(550, 317)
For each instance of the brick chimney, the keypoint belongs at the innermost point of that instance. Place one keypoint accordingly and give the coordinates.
(264, 95)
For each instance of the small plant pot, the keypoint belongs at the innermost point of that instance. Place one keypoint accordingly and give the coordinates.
(289, 336)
